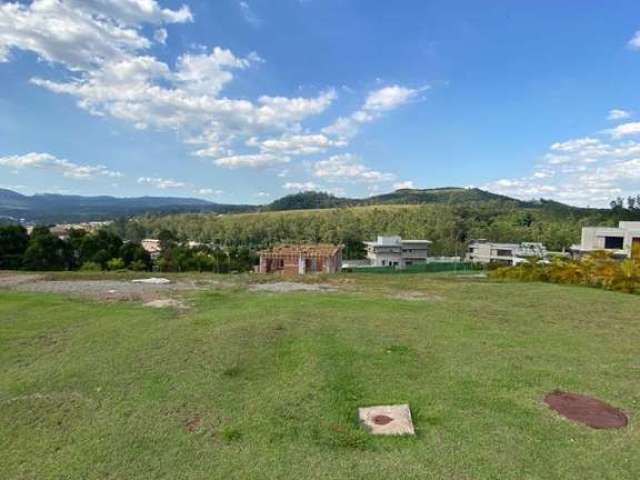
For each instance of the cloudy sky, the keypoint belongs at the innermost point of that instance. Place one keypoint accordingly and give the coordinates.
(248, 100)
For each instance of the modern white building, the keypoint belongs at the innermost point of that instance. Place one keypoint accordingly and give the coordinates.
(393, 251)
(619, 241)
(484, 251)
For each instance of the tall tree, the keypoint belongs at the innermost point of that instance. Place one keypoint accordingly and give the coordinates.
(14, 241)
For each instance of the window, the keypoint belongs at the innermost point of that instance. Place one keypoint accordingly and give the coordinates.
(613, 243)
(503, 253)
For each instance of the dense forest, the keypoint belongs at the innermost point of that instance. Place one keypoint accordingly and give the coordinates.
(449, 226)
(41, 250)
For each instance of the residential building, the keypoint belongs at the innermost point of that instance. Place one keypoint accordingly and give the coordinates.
(152, 246)
(393, 251)
(301, 259)
(484, 251)
(619, 241)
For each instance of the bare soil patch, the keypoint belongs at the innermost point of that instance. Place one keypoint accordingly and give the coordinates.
(10, 279)
(166, 303)
(416, 296)
(101, 289)
(285, 287)
(193, 424)
(586, 410)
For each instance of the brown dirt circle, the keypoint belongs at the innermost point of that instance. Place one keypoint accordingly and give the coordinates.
(587, 410)
(382, 419)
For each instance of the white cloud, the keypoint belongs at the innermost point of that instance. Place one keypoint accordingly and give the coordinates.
(248, 14)
(618, 114)
(635, 41)
(80, 33)
(161, 183)
(208, 74)
(581, 171)
(134, 11)
(209, 192)
(624, 130)
(378, 101)
(47, 161)
(292, 144)
(257, 160)
(104, 44)
(161, 35)
(347, 168)
(300, 186)
(407, 184)
(389, 98)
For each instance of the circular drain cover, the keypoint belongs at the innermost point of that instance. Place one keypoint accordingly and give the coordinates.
(587, 410)
(382, 419)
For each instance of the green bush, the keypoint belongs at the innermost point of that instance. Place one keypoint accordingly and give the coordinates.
(115, 264)
(90, 267)
(598, 270)
(138, 266)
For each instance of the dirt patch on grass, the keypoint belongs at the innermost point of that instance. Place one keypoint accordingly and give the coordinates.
(166, 303)
(193, 424)
(586, 410)
(10, 279)
(417, 297)
(285, 287)
(101, 289)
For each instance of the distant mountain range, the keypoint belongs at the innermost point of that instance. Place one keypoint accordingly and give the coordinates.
(55, 208)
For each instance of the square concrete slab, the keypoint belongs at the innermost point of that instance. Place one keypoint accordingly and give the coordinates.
(387, 420)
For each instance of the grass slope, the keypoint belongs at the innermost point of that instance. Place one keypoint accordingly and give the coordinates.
(257, 385)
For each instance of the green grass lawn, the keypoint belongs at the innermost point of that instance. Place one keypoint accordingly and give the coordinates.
(251, 385)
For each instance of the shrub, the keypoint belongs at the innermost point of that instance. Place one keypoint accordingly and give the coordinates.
(599, 270)
(138, 266)
(90, 267)
(115, 264)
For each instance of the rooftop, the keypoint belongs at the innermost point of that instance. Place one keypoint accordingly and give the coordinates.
(317, 249)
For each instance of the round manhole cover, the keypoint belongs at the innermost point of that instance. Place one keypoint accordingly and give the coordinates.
(587, 410)
(382, 419)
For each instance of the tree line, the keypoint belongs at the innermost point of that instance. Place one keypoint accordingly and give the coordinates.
(449, 227)
(41, 250)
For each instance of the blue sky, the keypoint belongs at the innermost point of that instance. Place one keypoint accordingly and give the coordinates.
(246, 101)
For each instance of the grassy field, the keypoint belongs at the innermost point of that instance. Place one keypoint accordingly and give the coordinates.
(248, 385)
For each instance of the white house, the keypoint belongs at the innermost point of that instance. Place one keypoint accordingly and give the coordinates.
(618, 241)
(393, 251)
(483, 251)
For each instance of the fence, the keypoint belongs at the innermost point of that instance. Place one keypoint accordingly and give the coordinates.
(433, 267)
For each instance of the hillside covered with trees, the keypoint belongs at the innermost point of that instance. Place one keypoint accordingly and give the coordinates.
(449, 225)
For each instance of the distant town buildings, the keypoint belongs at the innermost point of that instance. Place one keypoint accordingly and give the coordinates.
(393, 251)
(152, 247)
(62, 230)
(484, 251)
(618, 241)
(301, 259)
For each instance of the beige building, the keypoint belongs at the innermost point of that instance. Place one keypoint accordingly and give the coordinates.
(484, 251)
(619, 240)
(393, 251)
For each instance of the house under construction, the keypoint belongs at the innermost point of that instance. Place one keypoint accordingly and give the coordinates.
(301, 259)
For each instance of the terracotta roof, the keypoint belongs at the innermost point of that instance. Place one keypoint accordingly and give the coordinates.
(316, 249)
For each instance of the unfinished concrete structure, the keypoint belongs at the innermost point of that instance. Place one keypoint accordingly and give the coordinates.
(301, 259)
(484, 251)
(620, 241)
(393, 251)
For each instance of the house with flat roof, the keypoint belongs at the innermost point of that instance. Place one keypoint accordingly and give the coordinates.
(301, 259)
(619, 241)
(484, 251)
(393, 251)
